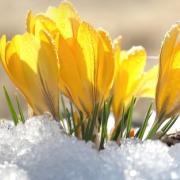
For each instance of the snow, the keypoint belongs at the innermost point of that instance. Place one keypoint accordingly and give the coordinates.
(39, 150)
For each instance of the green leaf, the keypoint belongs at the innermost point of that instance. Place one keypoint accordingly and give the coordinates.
(168, 125)
(122, 124)
(22, 119)
(82, 124)
(142, 129)
(118, 132)
(66, 117)
(11, 107)
(125, 124)
(104, 120)
(75, 127)
(91, 124)
(61, 116)
(129, 118)
(156, 125)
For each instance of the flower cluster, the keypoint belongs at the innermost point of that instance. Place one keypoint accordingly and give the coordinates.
(61, 54)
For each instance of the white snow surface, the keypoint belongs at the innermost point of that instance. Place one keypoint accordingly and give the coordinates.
(39, 150)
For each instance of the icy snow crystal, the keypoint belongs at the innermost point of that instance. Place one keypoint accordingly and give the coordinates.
(39, 150)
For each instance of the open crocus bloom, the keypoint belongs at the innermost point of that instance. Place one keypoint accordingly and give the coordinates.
(32, 65)
(130, 79)
(168, 87)
(85, 55)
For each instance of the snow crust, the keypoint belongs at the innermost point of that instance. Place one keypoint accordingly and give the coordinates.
(39, 150)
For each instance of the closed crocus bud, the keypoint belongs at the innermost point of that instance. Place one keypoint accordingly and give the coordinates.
(130, 79)
(32, 64)
(168, 87)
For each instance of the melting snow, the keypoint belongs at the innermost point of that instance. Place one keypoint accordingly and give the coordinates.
(39, 150)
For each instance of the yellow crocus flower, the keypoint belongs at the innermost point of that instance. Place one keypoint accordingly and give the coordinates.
(130, 79)
(85, 54)
(87, 67)
(31, 62)
(168, 87)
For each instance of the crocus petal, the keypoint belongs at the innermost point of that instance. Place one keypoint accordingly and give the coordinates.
(127, 78)
(2, 47)
(66, 19)
(148, 82)
(168, 87)
(106, 66)
(117, 53)
(72, 79)
(32, 65)
(43, 23)
(98, 57)
(88, 40)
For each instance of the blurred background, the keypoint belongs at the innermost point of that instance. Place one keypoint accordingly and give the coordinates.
(140, 22)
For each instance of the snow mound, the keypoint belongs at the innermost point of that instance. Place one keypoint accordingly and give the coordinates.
(39, 150)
